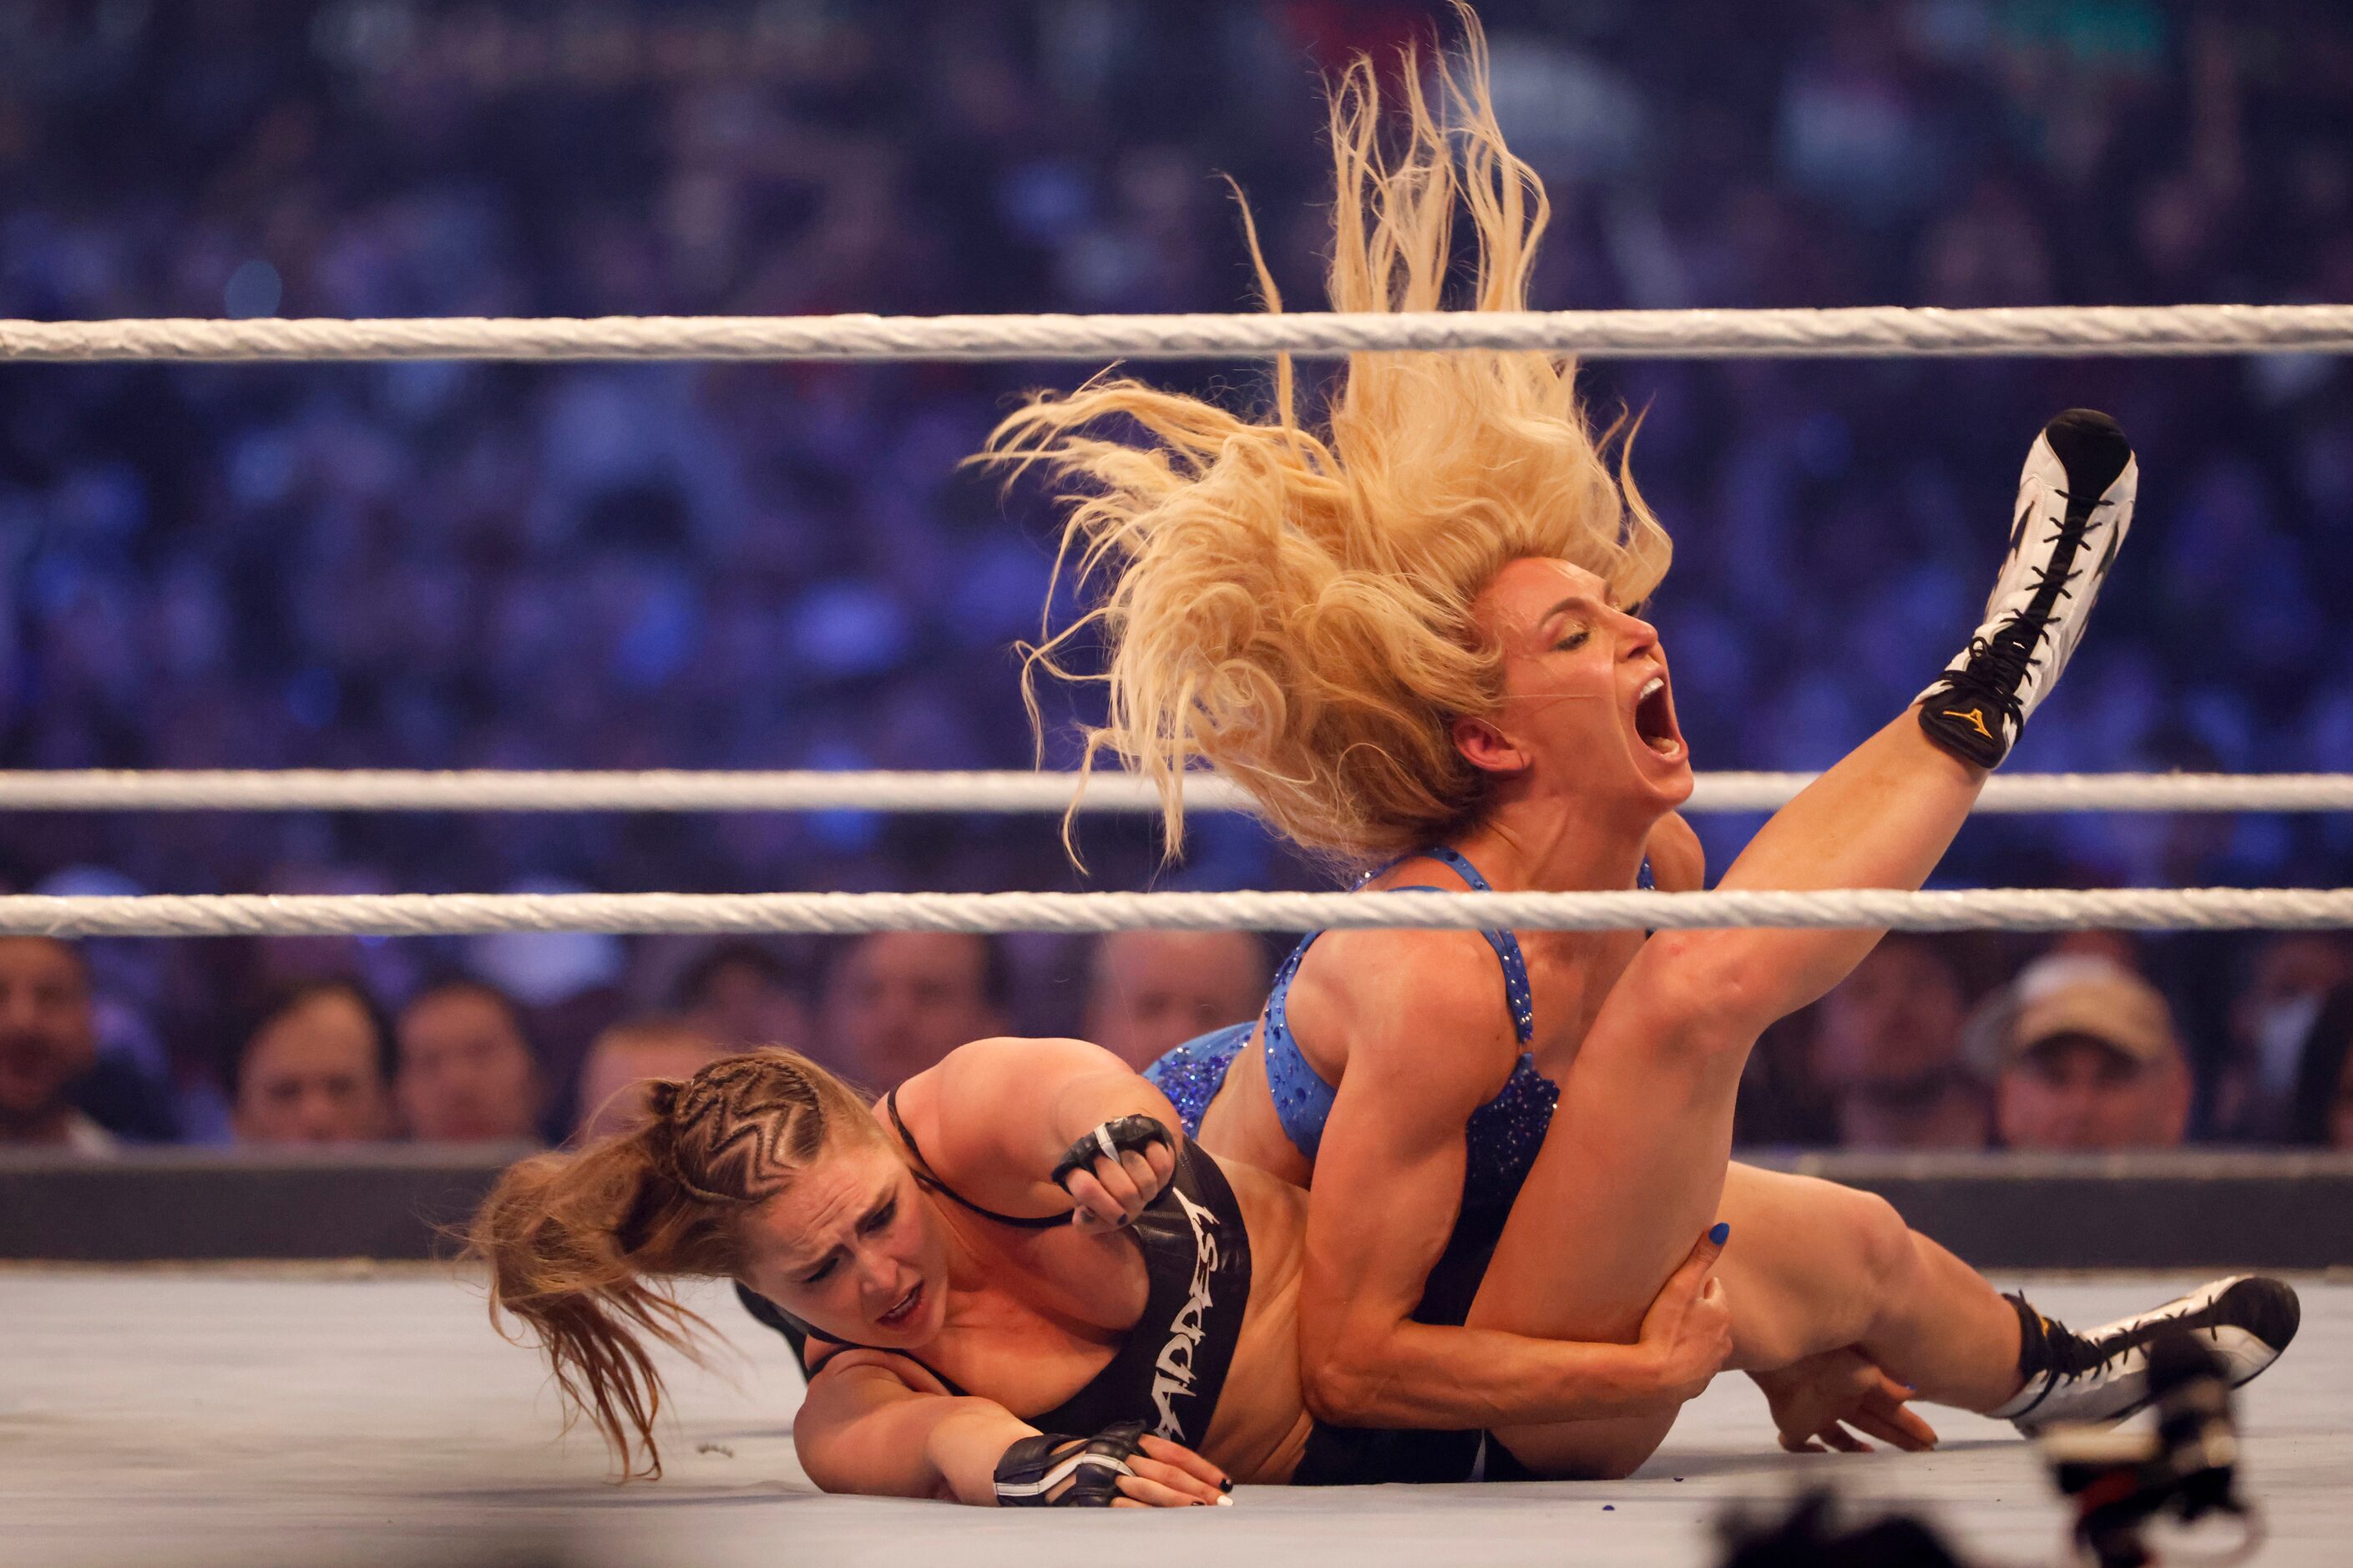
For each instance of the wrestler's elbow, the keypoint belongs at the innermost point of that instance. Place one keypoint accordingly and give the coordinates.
(1338, 1388)
(1335, 1396)
(1346, 1382)
(820, 1454)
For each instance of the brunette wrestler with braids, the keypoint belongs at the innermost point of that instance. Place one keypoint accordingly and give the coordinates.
(1411, 630)
(1013, 1281)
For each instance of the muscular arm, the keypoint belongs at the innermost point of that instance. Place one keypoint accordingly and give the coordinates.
(874, 1424)
(864, 1428)
(1388, 1190)
(1001, 1114)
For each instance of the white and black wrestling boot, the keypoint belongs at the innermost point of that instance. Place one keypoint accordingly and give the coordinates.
(2100, 1375)
(2074, 507)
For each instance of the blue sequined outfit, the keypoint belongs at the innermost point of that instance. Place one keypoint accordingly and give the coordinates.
(1503, 1134)
(1191, 1074)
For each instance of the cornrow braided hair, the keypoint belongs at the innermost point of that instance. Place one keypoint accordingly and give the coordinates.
(580, 1247)
(741, 1128)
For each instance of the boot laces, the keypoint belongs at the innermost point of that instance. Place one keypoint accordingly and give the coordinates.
(2003, 661)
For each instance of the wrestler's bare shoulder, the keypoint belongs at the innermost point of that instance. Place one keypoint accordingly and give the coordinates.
(1396, 990)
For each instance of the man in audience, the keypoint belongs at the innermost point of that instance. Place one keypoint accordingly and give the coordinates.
(464, 1069)
(2290, 975)
(2321, 1115)
(742, 995)
(896, 1001)
(132, 1089)
(48, 1040)
(313, 1069)
(622, 1064)
(2091, 1061)
(1887, 1052)
(1148, 991)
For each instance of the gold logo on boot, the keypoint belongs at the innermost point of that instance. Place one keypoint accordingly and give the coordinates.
(1976, 716)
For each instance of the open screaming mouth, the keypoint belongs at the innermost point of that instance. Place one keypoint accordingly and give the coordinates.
(1654, 719)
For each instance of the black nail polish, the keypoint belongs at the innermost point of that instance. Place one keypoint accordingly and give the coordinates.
(1226, 1485)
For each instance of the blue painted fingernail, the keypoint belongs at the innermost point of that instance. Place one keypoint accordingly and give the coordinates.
(1723, 1228)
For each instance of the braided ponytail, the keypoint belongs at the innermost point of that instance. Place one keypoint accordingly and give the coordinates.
(580, 1247)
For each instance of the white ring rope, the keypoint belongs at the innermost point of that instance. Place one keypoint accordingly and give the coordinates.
(450, 914)
(1861, 332)
(1005, 792)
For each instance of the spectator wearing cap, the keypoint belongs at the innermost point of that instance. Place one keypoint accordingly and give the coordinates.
(896, 1001)
(1148, 992)
(743, 995)
(314, 1068)
(625, 1061)
(1887, 1051)
(464, 1070)
(48, 1041)
(2091, 1061)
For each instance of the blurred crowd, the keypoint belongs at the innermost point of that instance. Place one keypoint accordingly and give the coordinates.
(732, 566)
(319, 1059)
(2078, 1050)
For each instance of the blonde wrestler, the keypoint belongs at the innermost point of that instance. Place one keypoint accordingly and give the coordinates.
(1410, 626)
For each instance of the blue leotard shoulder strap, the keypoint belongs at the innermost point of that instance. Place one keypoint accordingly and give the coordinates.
(1303, 1097)
(1506, 945)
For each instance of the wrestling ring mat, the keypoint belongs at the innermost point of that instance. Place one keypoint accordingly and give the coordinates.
(298, 1414)
(365, 1415)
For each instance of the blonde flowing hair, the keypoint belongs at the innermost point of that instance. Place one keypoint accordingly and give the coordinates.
(1292, 602)
(580, 1247)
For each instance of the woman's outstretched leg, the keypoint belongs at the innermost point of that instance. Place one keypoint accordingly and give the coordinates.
(1822, 1267)
(1641, 1140)
(1637, 1154)
(1832, 1268)
(1811, 1268)
(1639, 1144)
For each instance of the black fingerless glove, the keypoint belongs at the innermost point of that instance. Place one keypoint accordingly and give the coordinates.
(1109, 1141)
(1055, 1470)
